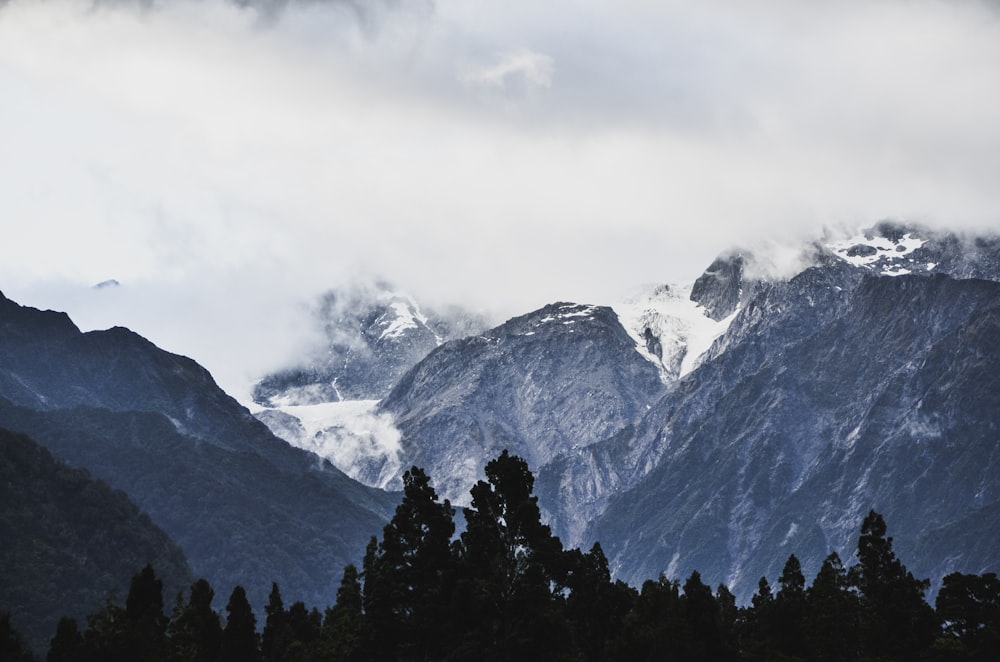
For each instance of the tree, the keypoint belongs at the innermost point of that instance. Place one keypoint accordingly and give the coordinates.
(67, 644)
(408, 576)
(512, 568)
(145, 622)
(342, 627)
(195, 633)
(969, 605)
(831, 615)
(653, 625)
(275, 637)
(239, 637)
(701, 616)
(728, 620)
(896, 623)
(595, 607)
(789, 611)
(12, 646)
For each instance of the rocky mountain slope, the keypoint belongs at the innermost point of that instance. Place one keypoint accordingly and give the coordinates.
(540, 385)
(868, 380)
(243, 505)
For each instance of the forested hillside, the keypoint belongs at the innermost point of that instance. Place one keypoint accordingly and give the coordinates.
(506, 589)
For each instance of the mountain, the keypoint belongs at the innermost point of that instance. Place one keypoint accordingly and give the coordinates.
(70, 541)
(244, 506)
(867, 380)
(540, 385)
(371, 335)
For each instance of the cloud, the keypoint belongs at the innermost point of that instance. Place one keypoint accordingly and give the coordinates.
(229, 164)
(532, 70)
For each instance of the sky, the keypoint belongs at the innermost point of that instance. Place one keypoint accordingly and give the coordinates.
(226, 161)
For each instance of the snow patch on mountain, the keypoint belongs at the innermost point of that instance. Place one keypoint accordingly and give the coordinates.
(403, 314)
(889, 256)
(352, 435)
(670, 330)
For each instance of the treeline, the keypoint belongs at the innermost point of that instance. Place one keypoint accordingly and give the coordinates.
(505, 589)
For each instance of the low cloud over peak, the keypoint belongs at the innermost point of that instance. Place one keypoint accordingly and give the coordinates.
(506, 153)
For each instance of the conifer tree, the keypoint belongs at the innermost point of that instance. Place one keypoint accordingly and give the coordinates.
(789, 611)
(831, 618)
(239, 637)
(969, 606)
(12, 646)
(67, 644)
(511, 563)
(342, 627)
(701, 615)
(195, 633)
(409, 575)
(896, 622)
(145, 622)
(274, 638)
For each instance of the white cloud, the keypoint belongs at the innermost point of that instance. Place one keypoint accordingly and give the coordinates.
(229, 164)
(533, 70)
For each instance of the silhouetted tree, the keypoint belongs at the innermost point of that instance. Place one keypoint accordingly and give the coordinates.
(654, 625)
(342, 626)
(831, 618)
(274, 638)
(409, 576)
(969, 606)
(595, 607)
(728, 623)
(145, 622)
(896, 623)
(67, 644)
(787, 626)
(701, 616)
(195, 633)
(12, 646)
(512, 568)
(239, 637)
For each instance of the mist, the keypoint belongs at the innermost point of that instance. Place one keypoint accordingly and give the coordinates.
(228, 161)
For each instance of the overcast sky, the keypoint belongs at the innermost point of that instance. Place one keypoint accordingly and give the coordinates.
(226, 161)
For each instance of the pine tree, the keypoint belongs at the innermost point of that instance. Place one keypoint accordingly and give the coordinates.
(342, 627)
(12, 646)
(195, 633)
(67, 644)
(831, 618)
(896, 622)
(701, 615)
(512, 567)
(145, 622)
(239, 637)
(274, 639)
(409, 576)
(789, 611)
(595, 607)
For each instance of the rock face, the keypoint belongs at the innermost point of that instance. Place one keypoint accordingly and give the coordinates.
(372, 334)
(244, 506)
(542, 385)
(870, 380)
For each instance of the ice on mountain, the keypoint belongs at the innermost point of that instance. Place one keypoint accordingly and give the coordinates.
(864, 251)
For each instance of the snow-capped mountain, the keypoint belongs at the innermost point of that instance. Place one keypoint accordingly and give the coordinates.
(867, 380)
(721, 425)
(371, 335)
(541, 385)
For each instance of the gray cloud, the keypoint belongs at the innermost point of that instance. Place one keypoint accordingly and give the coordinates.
(224, 156)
